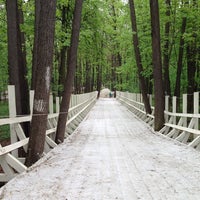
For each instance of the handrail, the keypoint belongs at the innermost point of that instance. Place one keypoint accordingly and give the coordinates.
(183, 127)
(78, 110)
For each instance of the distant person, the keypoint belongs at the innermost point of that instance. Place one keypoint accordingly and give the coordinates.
(115, 94)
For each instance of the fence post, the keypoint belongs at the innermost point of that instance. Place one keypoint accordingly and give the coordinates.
(196, 108)
(12, 114)
(166, 108)
(184, 109)
(31, 93)
(174, 108)
(150, 100)
(51, 104)
(57, 104)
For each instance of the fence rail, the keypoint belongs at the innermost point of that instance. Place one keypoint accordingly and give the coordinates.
(11, 162)
(182, 126)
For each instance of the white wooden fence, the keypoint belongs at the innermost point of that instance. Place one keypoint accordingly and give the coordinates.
(10, 161)
(183, 126)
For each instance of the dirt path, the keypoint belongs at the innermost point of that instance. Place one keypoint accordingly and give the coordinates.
(112, 155)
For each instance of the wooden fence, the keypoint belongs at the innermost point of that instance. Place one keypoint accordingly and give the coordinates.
(10, 160)
(181, 126)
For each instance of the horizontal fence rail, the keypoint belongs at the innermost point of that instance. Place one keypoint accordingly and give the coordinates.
(181, 126)
(10, 161)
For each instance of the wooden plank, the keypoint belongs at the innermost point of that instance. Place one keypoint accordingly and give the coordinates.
(6, 168)
(11, 147)
(5, 177)
(16, 164)
(183, 115)
(189, 130)
(50, 142)
(14, 120)
(195, 142)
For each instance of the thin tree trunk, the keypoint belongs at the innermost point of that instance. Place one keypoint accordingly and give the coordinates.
(60, 133)
(177, 90)
(192, 64)
(166, 51)
(157, 66)
(63, 51)
(138, 57)
(191, 70)
(44, 57)
(99, 80)
(87, 77)
(34, 57)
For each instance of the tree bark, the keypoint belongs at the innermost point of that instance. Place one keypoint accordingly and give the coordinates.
(166, 51)
(157, 66)
(99, 80)
(138, 57)
(87, 77)
(64, 49)
(177, 90)
(17, 59)
(34, 57)
(45, 45)
(60, 133)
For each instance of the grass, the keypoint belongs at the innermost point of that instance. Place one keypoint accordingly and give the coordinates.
(4, 130)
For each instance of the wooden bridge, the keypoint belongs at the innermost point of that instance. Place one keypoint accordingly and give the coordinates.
(113, 154)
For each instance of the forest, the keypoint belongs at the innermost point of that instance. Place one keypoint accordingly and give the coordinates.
(105, 45)
(148, 47)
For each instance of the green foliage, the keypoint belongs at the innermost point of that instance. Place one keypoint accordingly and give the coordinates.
(4, 130)
(3, 49)
(106, 33)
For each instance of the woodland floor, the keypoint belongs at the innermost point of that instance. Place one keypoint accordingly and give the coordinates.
(112, 155)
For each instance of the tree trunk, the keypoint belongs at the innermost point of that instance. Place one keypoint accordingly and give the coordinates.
(60, 133)
(177, 90)
(191, 70)
(34, 57)
(87, 77)
(192, 64)
(138, 57)
(166, 51)
(17, 59)
(63, 51)
(99, 80)
(44, 57)
(157, 66)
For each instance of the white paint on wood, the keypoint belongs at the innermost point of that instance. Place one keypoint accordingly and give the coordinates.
(31, 98)
(57, 104)
(47, 78)
(51, 104)
(39, 105)
(15, 164)
(12, 101)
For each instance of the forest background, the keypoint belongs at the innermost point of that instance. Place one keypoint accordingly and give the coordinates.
(105, 47)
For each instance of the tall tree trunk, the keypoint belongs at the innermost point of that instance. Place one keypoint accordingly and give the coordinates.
(192, 63)
(44, 57)
(191, 71)
(64, 50)
(177, 90)
(166, 51)
(87, 77)
(157, 66)
(60, 133)
(17, 59)
(138, 57)
(34, 57)
(99, 80)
